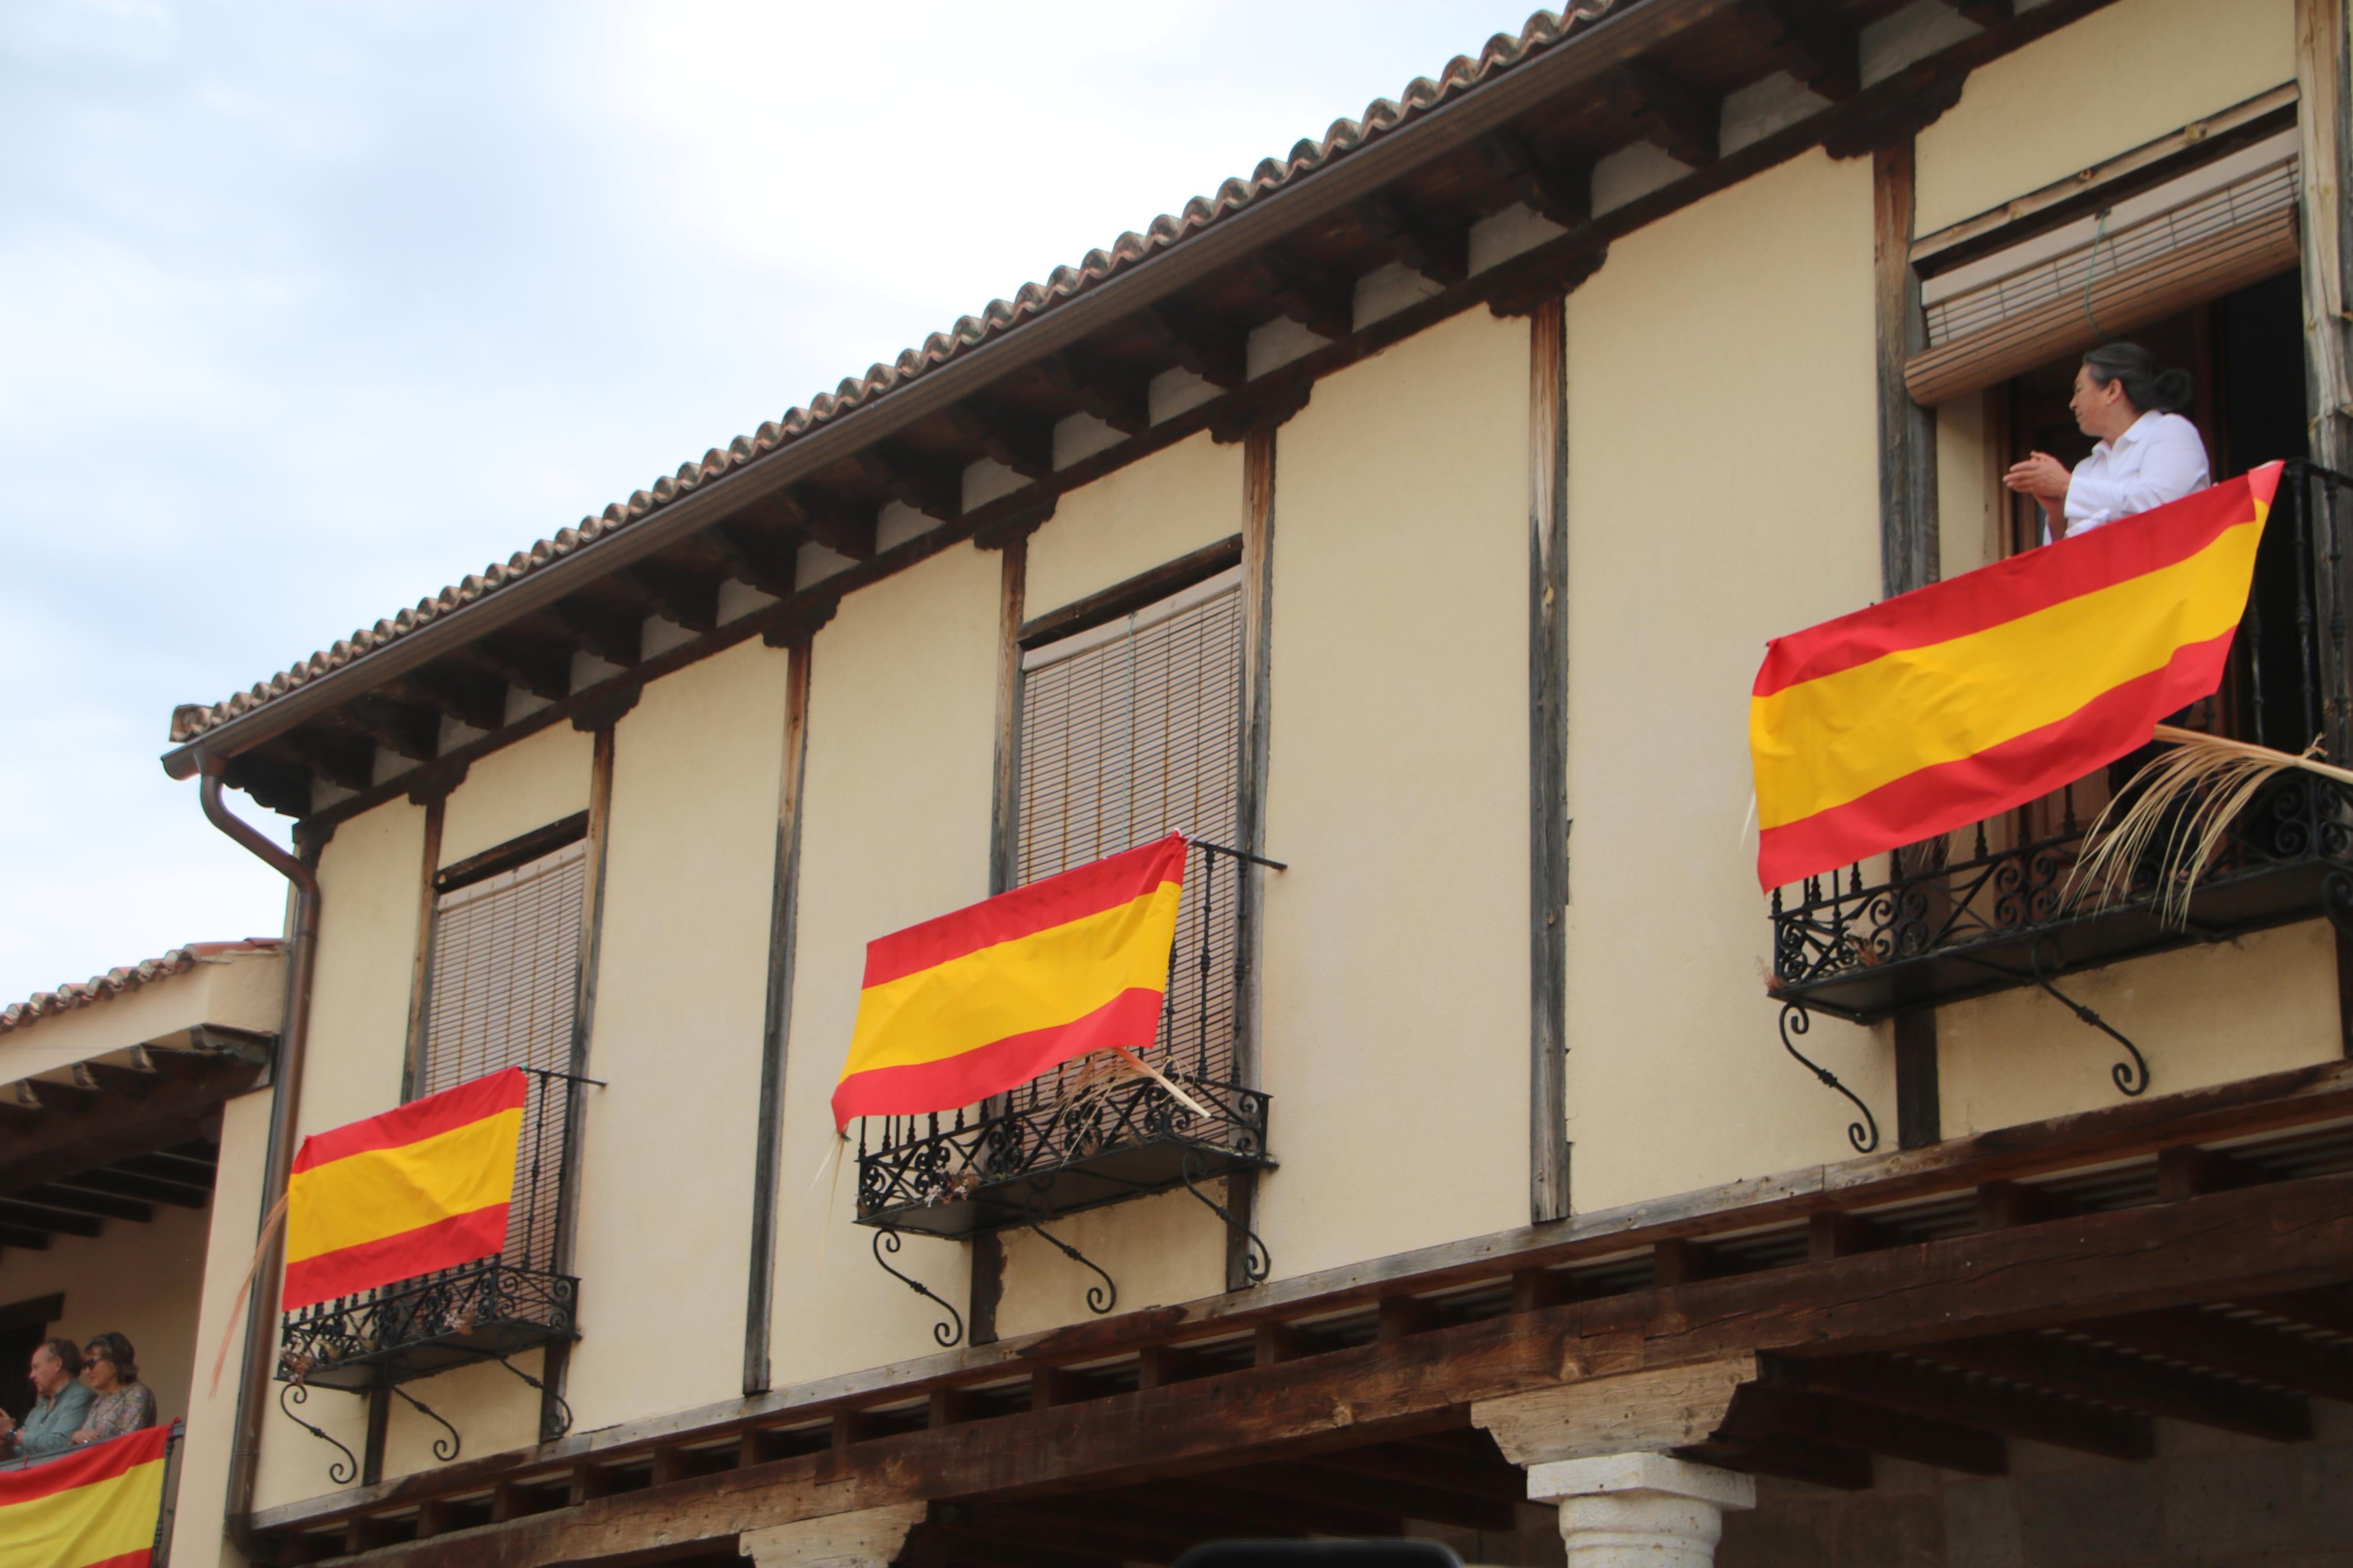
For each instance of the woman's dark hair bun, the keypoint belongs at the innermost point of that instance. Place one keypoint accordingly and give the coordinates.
(2148, 388)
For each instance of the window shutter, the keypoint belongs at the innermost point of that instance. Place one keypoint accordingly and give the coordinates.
(501, 990)
(2102, 284)
(1131, 731)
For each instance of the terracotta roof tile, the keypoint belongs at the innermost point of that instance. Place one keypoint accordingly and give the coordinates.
(116, 982)
(1502, 52)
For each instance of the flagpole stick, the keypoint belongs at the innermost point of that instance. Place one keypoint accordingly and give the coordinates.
(269, 1223)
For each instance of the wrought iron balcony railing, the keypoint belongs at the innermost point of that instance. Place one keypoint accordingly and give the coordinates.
(1085, 1135)
(486, 1311)
(2003, 913)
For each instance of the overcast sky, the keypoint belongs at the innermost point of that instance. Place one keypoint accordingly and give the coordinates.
(307, 309)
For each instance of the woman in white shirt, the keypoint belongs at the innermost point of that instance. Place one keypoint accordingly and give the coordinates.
(2147, 452)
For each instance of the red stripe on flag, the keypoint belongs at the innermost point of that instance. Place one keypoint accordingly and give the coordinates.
(1041, 905)
(1131, 1019)
(444, 1244)
(1954, 794)
(78, 1467)
(139, 1559)
(436, 1113)
(2020, 585)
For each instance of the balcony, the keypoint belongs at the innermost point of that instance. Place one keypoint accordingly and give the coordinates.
(1940, 929)
(1081, 1137)
(486, 1311)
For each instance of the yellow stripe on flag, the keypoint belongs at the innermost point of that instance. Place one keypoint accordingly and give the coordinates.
(379, 1192)
(1035, 982)
(107, 1519)
(1955, 698)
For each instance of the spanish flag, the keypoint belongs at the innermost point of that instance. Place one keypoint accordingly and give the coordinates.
(1947, 705)
(88, 1508)
(973, 1003)
(420, 1188)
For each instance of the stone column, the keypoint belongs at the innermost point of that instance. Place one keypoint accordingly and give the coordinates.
(870, 1538)
(1639, 1510)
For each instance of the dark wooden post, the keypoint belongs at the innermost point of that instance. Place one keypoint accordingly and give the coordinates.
(1548, 1195)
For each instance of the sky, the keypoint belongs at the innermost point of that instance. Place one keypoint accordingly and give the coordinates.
(308, 308)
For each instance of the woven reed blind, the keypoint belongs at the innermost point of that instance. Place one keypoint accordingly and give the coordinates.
(2238, 232)
(501, 991)
(1130, 732)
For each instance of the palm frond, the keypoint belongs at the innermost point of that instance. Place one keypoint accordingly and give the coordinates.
(2176, 811)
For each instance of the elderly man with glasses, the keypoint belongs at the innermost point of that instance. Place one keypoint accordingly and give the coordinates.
(57, 1412)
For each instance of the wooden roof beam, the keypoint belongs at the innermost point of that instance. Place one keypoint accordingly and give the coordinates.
(402, 727)
(822, 517)
(146, 1189)
(1024, 445)
(529, 662)
(1318, 298)
(36, 1216)
(1121, 398)
(1791, 1457)
(68, 1193)
(1681, 121)
(750, 563)
(477, 702)
(679, 593)
(1560, 189)
(1437, 246)
(1215, 351)
(616, 638)
(274, 782)
(1986, 13)
(345, 761)
(932, 486)
(1812, 42)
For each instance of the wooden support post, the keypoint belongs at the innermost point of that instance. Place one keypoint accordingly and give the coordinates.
(1830, 1234)
(1157, 1366)
(1533, 1289)
(759, 1296)
(947, 1406)
(1548, 1195)
(1399, 1316)
(1275, 1342)
(1256, 605)
(1679, 1263)
(2324, 107)
(987, 1285)
(412, 1069)
(1053, 1385)
(1909, 550)
(589, 1483)
(2004, 1204)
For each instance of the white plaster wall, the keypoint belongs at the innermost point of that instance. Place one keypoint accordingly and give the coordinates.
(1970, 501)
(2200, 1014)
(1723, 488)
(540, 779)
(2127, 74)
(1395, 998)
(682, 991)
(902, 742)
(371, 879)
(1142, 516)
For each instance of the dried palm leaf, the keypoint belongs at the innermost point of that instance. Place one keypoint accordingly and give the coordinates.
(2176, 810)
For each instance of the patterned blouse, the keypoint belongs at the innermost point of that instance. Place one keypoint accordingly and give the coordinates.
(128, 1408)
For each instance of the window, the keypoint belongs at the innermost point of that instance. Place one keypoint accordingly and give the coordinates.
(501, 990)
(1131, 729)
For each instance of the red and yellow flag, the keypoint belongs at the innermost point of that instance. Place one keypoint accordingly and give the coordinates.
(88, 1508)
(420, 1188)
(971, 1003)
(1943, 706)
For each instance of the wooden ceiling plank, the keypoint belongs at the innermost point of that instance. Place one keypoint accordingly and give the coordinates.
(2148, 1388)
(68, 1193)
(2229, 1345)
(1765, 1413)
(405, 729)
(1790, 1459)
(2011, 1411)
(1022, 444)
(1121, 398)
(146, 1189)
(916, 479)
(751, 563)
(39, 1216)
(1308, 1481)
(477, 702)
(1321, 298)
(679, 594)
(526, 661)
(347, 762)
(617, 638)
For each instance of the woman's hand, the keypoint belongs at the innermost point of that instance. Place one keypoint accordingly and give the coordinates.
(2041, 476)
(84, 1435)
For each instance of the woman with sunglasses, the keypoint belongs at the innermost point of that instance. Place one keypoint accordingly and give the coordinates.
(121, 1403)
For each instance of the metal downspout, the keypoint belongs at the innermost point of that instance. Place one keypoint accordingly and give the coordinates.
(262, 1307)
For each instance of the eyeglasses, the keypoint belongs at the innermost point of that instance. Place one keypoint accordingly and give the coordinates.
(91, 1361)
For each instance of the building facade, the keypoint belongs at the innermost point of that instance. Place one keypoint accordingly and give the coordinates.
(1404, 524)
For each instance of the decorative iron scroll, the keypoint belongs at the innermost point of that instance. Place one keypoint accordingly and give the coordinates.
(444, 1449)
(1863, 1134)
(946, 1333)
(342, 1472)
